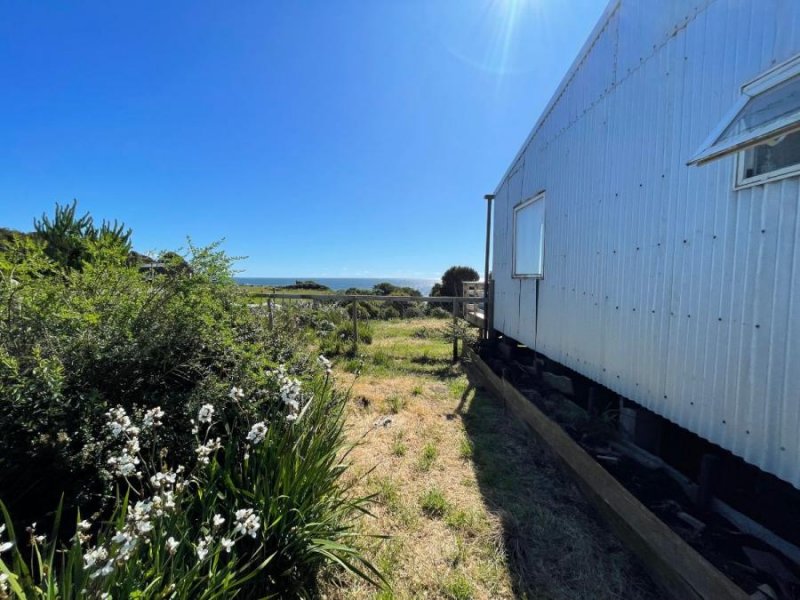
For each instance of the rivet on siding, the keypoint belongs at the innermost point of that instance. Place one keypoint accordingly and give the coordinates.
(684, 241)
(724, 422)
(714, 237)
(757, 326)
(719, 319)
(688, 316)
(617, 307)
(763, 231)
(665, 396)
(691, 403)
(783, 448)
(747, 431)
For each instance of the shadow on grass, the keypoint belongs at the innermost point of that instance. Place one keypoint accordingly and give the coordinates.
(554, 545)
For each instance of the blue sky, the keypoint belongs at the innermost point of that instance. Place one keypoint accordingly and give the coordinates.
(336, 138)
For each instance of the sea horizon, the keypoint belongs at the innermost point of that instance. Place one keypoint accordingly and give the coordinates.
(421, 284)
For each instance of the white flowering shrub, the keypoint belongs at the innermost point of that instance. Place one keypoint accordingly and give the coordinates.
(193, 451)
(256, 513)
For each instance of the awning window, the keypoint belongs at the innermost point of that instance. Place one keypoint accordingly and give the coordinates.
(768, 110)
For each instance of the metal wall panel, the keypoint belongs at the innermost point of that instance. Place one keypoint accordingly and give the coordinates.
(660, 280)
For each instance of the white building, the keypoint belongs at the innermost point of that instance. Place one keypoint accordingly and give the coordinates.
(676, 285)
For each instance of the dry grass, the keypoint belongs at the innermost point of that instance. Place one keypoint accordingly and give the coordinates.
(472, 507)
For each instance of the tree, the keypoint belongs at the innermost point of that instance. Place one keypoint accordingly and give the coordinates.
(453, 280)
(67, 236)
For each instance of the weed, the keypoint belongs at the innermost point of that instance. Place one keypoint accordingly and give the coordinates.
(353, 365)
(396, 403)
(458, 386)
(429, 455)
(381, 359)
(460, 554)
(398, 446)
(467, 522)
(458, 587)
(466, 448)
(387, 493)
(433, 503)
(416, 390)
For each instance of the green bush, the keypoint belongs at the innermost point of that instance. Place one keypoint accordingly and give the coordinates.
(415, 311)
(340, 341)
(256, 512)
(437, 312)
(389, 312)
(75, 342)
(85, 344)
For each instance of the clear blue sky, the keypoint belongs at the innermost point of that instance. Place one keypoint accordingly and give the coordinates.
(332, 138)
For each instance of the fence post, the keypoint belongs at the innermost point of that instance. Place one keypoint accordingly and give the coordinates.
(455, 332)
(269, 304)
(355, 326)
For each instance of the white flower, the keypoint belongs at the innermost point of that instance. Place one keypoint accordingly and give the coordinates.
(291, 417)
(236, 393)
(257, 433)
(204, 451)
(324, 362)
(218, 520)
(4, 585)
(247, 523)
(118, 421)
(172, 545)
(152, 418)
(106, 569)
(205, 414)
(5, 546)
(84, 526)
(202, 547)
(227, 544)
(94, 557)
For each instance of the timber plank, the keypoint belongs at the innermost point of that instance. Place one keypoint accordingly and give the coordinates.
(675, 565)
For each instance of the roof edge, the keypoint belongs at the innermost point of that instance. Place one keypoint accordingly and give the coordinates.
(609, 11)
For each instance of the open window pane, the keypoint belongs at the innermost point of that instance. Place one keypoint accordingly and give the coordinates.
(767, 113)
(529, 238)
(776, 155)
(769, 108)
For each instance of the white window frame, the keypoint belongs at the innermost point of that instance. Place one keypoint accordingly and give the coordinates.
(519, 207)
(741, 182)
(710, 150)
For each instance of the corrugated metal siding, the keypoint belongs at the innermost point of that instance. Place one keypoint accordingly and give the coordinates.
(660, 281)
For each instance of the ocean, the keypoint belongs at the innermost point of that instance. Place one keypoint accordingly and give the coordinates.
(342, 283)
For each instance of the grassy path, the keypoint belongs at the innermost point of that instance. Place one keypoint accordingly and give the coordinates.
(472, 506)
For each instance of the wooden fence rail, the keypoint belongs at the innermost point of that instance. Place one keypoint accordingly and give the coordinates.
(356, 298)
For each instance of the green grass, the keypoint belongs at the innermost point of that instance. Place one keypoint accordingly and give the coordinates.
(458, 587)
(433, 503)
(399, 447)
(416, 390)
(466, 449)
(429, 455)
(468, 522)
(387, 493)
(396, 403)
